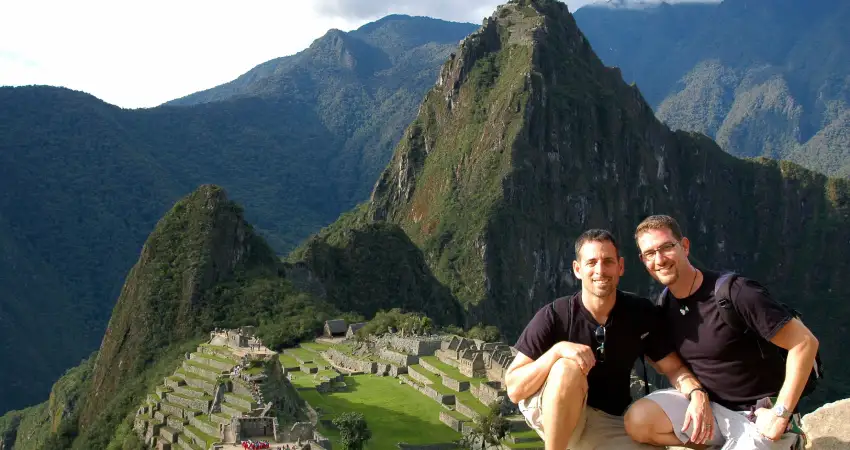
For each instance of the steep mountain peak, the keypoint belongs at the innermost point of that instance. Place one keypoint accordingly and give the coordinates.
(201, 241)
(527, 140)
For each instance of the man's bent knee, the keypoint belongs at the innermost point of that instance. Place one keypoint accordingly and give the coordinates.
(567, 374)
(645, 418)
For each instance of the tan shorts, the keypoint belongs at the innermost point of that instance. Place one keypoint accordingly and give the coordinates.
(595, 430)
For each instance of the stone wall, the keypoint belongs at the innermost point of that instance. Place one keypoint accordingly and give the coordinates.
(451, 421)
(465, 410)
(175, 422)
(249, 427)
(447, 357)
(428, 391)
(206, 427)
(455, 385)
(191, 403)
(430, 367)
(200, 371)
(350, 363)
(207, 386)
(203, 359)
(418, 377)
(398, 358)
(488, 393)
(239, 387)
(419, 346)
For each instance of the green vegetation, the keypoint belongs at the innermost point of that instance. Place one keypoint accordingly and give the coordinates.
(489, 428)
(396, 413)
(396, 319)
(353, 430)
(373, 267)
(486, 333)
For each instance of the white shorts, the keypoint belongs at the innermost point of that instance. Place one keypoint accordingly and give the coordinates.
(733, 430)
(595, 430)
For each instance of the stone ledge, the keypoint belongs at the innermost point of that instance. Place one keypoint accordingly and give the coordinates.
(453, 422)
(214, 363)
(169, 434)
(455, 385)
(207, 427)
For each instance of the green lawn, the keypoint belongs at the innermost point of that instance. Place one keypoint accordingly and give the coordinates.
(305, 355)
(303, 380)
(395, 413)
(316, 346)
(287, 361)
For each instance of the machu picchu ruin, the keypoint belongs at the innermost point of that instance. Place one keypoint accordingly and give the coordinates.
(227, 392)
(233, 390)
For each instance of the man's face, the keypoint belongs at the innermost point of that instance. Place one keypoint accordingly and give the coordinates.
(599, 268)
(662, 255)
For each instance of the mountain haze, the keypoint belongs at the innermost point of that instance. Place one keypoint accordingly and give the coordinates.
(762, 78)
(84, 182)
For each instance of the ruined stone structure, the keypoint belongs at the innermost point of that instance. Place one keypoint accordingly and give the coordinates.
(334, 328)
(352, 329)
(217, 396)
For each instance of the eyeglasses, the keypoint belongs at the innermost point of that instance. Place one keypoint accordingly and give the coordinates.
(664, 249)
(600, 339)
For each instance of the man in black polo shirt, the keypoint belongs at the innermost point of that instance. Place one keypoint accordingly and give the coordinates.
(736, 368)
(571, 377)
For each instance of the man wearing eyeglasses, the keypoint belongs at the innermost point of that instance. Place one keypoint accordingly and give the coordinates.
(738, 369)
(571, 376)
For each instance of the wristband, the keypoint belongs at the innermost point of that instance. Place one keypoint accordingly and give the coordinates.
(694, 390)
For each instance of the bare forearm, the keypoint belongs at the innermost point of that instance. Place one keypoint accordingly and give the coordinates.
(683, 380)
(524, 381)
(798, 366)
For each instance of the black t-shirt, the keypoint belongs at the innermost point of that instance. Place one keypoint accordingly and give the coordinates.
(629, 334)
(736, 369)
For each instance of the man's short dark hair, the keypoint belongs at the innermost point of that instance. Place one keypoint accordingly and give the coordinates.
(595, 235)
(659, 222)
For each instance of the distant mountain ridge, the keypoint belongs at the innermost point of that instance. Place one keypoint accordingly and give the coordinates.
(83, 182)
(762, 78)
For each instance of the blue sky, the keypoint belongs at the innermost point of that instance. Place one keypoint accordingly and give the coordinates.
(142, 54)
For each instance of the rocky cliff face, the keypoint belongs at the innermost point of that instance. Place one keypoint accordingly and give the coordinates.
(528, 139)
(202, 241)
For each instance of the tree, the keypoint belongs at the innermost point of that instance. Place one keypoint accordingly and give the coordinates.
(487, 333)
(488, 429)
(353, 430)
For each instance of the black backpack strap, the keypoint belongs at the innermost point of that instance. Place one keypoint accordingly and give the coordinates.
(723, 296)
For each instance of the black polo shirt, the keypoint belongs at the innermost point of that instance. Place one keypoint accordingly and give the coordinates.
(737, 369)
(630, 333)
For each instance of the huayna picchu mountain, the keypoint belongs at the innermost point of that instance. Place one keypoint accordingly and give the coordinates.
(528, 139)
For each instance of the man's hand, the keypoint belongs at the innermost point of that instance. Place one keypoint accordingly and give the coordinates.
(581, 354)
(699, 413)
(769, 425)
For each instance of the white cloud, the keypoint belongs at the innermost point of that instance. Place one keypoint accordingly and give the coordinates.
(140, 54)
(145, 53)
